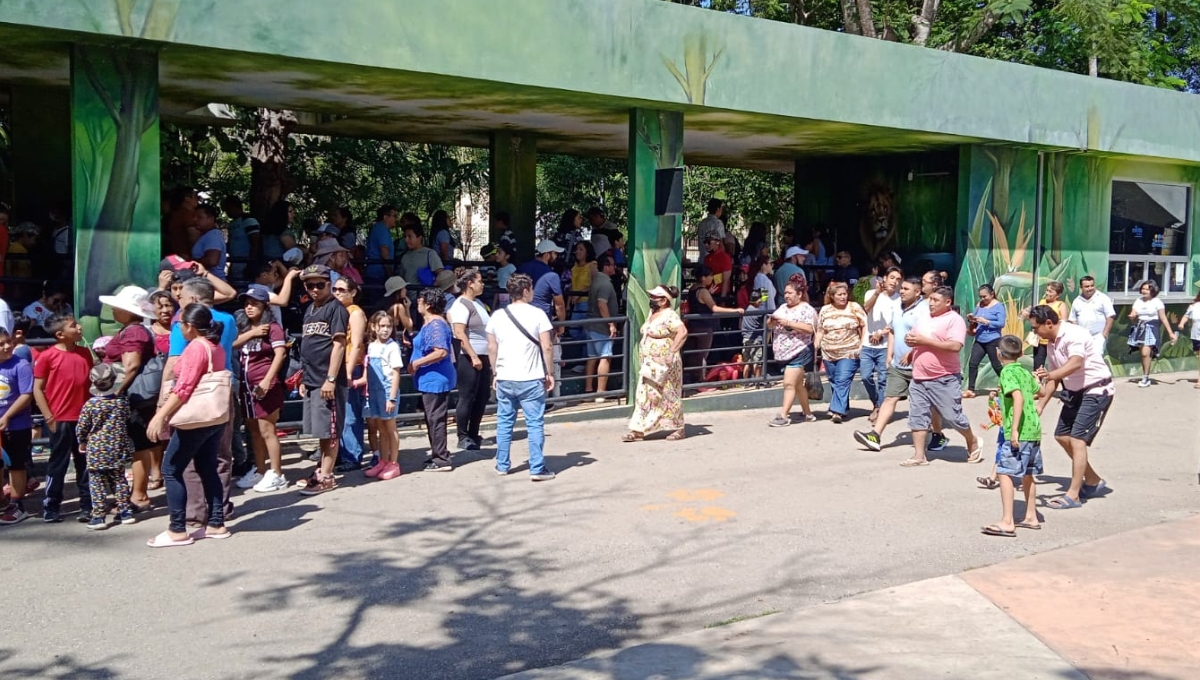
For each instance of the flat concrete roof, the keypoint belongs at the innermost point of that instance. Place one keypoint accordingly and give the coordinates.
(755, 93)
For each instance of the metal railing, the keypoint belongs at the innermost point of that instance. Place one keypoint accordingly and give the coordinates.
(727, 350)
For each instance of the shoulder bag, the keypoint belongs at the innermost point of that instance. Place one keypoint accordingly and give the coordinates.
(209, 403)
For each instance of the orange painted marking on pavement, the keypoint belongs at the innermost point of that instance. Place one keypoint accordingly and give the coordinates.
(686, 495)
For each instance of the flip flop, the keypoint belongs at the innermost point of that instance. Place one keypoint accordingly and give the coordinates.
(987, 482)
(1093, 491)
(164, 540)
(993, 530)
(202, 533)
(631, 437)
(911, 462)
(1031, 527)
(1063, 503)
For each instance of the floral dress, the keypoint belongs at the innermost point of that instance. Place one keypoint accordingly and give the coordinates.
(659, 406)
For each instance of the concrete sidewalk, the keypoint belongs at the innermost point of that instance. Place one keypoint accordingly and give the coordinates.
(1119, 608)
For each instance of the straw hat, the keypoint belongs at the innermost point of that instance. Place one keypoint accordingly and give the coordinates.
(132, 299)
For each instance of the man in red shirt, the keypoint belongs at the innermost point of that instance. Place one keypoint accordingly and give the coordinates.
(721, 265)
(60, 388)
(937, 376)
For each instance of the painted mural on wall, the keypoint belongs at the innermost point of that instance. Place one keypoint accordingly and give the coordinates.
(998, 245)
(871, 205)
(655, 241)
(114, 138)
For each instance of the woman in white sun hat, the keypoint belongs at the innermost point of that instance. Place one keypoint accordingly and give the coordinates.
(130, 352)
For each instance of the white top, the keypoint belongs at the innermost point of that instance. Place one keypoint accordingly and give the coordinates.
(387, 352)
(518, 358)
(1147, 310)
(1092, 313)
(881, 316)
(1193, 313)
(476, 323)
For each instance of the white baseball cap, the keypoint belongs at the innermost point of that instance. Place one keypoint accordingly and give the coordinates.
(548, 246)
(794, 251)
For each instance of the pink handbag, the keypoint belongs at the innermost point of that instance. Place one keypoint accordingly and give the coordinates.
(209, 403)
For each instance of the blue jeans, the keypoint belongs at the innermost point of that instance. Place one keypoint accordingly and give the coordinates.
(840, 374)
(198, 446)
(350, 449)
(530, 396)
(872, 365)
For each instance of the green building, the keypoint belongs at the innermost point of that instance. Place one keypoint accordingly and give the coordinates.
(998, 172)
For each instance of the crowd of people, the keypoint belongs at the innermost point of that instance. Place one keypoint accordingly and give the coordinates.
(188, 391)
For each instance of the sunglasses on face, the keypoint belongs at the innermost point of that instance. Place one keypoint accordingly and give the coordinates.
(315, 285)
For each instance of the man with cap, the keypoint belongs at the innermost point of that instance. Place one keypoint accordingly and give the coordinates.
(792, 258)
(721, 265)
(548, 293)
(323, 382)
(332, 254)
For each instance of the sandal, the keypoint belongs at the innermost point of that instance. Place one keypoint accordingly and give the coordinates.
(318, 486)
(676, 436)
(154, 483)
(164, 540)
(968, 394)
(913, 462)
(1063, 503)
(632, 437)
(987, 482)
(993, 530)
(1029, 525)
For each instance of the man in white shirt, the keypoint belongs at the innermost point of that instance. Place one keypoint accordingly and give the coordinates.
(520, 347)
(712, 224)
(1092, 309)
(881, 304)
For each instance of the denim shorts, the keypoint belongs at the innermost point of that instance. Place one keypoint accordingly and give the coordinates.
(802, 359)
(1028, 461)
(599, 344)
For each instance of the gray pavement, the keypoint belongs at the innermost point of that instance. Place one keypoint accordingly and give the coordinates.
(467, 575)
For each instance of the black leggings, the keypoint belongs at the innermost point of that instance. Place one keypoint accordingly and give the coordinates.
(1039, 356)
(474, 389)
(978, 350)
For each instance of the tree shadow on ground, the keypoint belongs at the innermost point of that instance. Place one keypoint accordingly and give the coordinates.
(1097, 673)
(60, 667)
(674, 661)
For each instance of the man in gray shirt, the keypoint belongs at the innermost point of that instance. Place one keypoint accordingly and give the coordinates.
(602, 303)
(417, 257)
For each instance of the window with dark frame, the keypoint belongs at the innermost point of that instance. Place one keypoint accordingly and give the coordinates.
(1148, 237)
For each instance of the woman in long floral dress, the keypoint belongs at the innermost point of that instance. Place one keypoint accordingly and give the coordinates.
(658, 402)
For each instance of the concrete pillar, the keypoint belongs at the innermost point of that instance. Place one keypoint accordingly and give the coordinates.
(655, 241)
(115, 173)
(512, 187)
(41, 150)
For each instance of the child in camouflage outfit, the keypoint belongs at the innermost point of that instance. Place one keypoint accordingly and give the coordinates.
(103, 438)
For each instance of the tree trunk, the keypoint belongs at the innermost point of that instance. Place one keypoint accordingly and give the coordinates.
(269, 181)
(866, 19)
(977, 32)
(849, 25)
(923, 22)
(1094, 66)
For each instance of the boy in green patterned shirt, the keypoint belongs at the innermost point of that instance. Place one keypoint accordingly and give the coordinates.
(1022, 456)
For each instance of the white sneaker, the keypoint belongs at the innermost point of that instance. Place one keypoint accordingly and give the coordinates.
(1145, 382)
(271, 481)
(249, 479)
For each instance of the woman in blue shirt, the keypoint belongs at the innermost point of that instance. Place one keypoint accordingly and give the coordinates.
(434, 375)
(987, 325)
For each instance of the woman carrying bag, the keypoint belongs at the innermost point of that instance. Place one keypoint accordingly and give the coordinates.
(193, 416)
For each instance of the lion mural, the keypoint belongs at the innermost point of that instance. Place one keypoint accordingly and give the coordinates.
(877, 226)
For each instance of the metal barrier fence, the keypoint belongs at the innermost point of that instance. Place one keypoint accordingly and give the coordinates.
(721, 350)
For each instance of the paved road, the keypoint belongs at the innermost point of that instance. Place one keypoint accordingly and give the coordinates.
(467, 575)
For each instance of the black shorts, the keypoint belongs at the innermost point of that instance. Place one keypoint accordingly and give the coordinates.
(1082, 415)
(136, 427)
(18, 449)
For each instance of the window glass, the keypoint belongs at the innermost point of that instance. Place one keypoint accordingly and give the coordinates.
(1148, 219)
